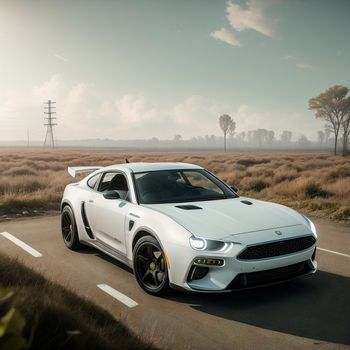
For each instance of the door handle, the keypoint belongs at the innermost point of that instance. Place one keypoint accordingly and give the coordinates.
(91, 201)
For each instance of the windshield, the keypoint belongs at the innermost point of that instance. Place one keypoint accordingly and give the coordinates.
(176, 186)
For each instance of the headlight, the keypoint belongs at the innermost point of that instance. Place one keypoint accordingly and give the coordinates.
(197, 243)
(208, 244)
(312, 225)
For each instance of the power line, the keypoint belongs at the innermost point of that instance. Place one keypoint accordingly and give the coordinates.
(49, 137)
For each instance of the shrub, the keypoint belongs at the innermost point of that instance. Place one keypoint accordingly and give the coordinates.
(23, 170)
(35, 179)
(342, 214)
(286, 175)
(251, 161)
(338, 172)
(12, 324)
(313, 189)
(254, 184)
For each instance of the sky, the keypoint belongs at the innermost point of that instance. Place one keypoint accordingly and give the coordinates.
(155, 68)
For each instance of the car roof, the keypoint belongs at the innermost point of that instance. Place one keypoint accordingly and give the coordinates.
(141, 167)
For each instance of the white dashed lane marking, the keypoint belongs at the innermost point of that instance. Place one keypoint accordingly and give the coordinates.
(118, 295)
(333, 252)
(21, 244)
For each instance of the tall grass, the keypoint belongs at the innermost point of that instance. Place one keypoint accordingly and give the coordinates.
(57, 318)
(317, 184)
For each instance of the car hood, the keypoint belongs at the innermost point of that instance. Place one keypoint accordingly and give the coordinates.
(220, 219)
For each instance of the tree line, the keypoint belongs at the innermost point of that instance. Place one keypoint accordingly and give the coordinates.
(332, 106)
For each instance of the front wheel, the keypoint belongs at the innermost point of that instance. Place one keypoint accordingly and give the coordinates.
(150, 266)
(69, 229)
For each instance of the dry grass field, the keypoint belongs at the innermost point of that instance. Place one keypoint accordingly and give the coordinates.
(32, 181)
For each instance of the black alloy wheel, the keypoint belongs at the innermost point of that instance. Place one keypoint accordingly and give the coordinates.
(150, 266)
(69, 229)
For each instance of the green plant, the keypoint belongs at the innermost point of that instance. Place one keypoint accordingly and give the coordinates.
(12, 324)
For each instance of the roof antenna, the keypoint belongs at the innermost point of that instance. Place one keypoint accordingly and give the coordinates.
(127, 160)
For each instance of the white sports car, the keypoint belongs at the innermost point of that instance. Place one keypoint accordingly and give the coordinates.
(178, 226)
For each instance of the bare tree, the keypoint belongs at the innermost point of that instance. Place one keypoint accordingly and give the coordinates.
(327, 133)
(303, 142)
(177, 138)
(260, 135)
(270, 136)
(321, 136)
(232, 128)
(345, 126)
(286, 136)
(241, 137)
(332, 106)
(251, 137)
(227, 125)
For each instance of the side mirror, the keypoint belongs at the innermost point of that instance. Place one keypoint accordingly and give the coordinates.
(234, 189)
(111, 194)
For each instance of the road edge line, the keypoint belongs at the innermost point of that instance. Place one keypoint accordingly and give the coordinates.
(333, 252)
(118, 295)
(21, 244)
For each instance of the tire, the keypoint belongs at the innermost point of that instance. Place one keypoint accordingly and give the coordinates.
(150, 267)
(69, 229)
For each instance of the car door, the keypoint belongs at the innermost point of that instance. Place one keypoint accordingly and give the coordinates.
(107, 216)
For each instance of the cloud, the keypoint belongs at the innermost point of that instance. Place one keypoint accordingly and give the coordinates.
(135, 110)
(302, 65)
(185, 113)
(84, 112)
(60, 57)
(199, 112)
(226, 36)
(288, 58)
(52, 89)
(299, 64)
(252, 17)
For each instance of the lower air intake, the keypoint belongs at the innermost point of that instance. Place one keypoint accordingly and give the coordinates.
(261, 278)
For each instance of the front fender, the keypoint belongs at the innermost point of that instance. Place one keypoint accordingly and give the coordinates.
(172, 237)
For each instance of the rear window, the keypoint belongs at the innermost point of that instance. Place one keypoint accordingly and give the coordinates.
(92, 181)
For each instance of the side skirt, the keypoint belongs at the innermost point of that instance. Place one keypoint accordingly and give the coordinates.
(104, 248)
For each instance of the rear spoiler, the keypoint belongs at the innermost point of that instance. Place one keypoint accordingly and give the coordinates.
(75, 170)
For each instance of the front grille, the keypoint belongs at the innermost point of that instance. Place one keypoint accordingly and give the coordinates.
(260, 278)
(278, 248)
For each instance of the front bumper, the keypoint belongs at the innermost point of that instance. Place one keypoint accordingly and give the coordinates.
(272, 276)
(239, 274)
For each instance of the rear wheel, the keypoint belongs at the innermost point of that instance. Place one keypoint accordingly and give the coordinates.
(150, 267)
(69, 229)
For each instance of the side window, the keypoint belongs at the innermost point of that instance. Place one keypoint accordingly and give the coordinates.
(106, 180)
(92, 181)
(115, 182)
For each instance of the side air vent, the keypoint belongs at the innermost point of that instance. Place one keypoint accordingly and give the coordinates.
(247, 202)
(85, 221)
(188, 207)
(131, 224)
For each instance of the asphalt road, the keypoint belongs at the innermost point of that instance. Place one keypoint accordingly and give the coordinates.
(308, 313)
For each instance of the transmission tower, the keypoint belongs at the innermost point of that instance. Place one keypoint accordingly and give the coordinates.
(49, 123)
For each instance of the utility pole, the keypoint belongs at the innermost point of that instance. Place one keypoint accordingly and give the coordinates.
(28, 137)
(49, 138)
